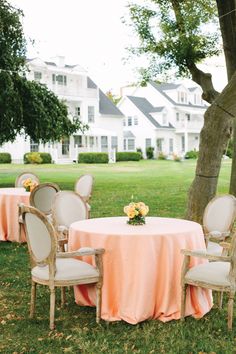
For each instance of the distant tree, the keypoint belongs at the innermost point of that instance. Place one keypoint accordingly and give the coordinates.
(26, 107)
(112, 97)
(179, 34)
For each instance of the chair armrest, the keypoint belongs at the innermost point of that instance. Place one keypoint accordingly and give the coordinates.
(84, 251)
(206, 256)
(217, 235)
(225, 245)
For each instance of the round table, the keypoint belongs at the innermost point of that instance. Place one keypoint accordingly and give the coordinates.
(9, 200)
(142, 267)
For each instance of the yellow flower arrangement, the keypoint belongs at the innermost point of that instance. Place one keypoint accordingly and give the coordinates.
(29, 184)
(136, 213)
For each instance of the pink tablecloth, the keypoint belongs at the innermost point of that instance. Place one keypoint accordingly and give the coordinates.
(142, 267)
(9, 200)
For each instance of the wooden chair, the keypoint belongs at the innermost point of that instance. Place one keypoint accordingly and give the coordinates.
(42, 197)
(219, 275)
(218, 220)
(67, 208)
(23, 176)
(57, 269)
(84, 186)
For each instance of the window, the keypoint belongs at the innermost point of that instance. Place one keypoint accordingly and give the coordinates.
(171, 145)
(91, 141)
(135, 120)
(177, 117)
(188, 116)
(159, 145)
(129, 121)
(148, 142)
(182, 97)
(60, 79)
(114, 142)
(131, 144)
(34, 147)
(104, 143)
(78, 140)
(77, 111)
(183, 143)
(37, 75)
(91, 114)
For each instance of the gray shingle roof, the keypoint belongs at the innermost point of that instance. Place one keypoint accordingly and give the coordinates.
(146, 108)
(90, 83)
(107, 107)
(161, 88)
(128, 134)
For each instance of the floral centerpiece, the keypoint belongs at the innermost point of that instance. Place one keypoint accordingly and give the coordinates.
(136, 213)
(29, 184)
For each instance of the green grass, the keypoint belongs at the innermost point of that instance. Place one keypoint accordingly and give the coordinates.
(162, 185)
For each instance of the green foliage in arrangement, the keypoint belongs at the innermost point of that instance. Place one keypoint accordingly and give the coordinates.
(150, 152)
(192, 154)
(5, 157)
(93, 157)
(128, 156)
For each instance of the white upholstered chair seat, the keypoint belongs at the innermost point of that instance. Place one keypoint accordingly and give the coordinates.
(67, 269)
(215, 273)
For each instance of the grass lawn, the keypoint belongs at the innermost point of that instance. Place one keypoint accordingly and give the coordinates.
(162, 185)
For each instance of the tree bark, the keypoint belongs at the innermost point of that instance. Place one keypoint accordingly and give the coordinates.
(213, 138)
(227, 19)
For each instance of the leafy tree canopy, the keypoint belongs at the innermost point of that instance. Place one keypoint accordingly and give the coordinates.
(26, 107)
(174, 34)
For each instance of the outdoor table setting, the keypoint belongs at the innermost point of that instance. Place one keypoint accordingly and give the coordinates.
(9, 200)
(142, 267)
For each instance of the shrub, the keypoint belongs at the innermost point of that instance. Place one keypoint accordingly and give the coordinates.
(229, 150)
(5, 157)
(140, 151)
(37, 157)
(192, 154)
(128, 156)
(32, 157)
(93, 157)
(149, 152)
(176, 158)
(46, 157)
(161, 156)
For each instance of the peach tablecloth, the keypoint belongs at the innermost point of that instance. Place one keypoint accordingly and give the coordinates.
(9, 200)
(142, 267)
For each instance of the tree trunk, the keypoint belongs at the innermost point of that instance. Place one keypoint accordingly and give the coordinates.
(213, 138)
(227, 19)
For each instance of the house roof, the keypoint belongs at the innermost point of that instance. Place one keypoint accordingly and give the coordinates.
(128, 134)
(146, 108)
(163, 87)
(90, 83)
(107, 107)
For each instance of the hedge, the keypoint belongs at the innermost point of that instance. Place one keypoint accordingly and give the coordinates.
(5, 157)
(93, 157)
(192, 154)
(37, 157)
(128, 156)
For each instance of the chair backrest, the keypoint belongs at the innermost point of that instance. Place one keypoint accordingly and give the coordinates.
(219, 214)
(67, 208)
(23, 176)
(42, 197)
(84, 186)
(40, 235)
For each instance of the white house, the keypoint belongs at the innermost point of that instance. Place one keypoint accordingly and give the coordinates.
(168, 117)
(83, 98)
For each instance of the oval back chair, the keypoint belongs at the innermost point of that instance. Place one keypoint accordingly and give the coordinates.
(84, 186)
(42, 197)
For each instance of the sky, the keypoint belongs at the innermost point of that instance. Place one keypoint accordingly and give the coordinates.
(89, 33)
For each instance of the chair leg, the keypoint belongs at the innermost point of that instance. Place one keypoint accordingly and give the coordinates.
(220, 299)
(230, 310)
(33, 299)
(183, 300)
(98, 301)
(52, 307)
(63, 296)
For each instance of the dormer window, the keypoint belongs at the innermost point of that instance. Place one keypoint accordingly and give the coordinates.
(60, 79)
(91, 114)
(182, 97)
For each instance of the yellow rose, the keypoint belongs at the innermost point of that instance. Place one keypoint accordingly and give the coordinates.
(131, 214)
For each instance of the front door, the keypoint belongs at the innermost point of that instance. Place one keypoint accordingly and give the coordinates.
(65, 147)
